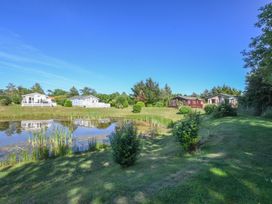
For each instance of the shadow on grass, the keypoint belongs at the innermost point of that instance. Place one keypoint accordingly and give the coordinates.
(232, 169)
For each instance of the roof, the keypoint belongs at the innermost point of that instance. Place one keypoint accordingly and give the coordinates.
(83, 97)
(187, 98)
(225, 96)
(32, 94)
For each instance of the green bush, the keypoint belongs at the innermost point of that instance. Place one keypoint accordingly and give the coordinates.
(149, 105)
(5, 101)
(159, 104)
(137, 108)
(267, 113)
(210, 108)
(60, 100)
(16, 99)
(185, 110)
(68, 103)
(195, 116)
(121, 102)
(224, 110)
(186, 132)
(142, 104)
(125, 144)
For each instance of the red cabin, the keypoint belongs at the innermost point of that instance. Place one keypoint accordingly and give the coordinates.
(193, 102)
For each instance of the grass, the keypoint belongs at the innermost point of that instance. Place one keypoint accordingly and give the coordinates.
(15, 112)
(233, 166)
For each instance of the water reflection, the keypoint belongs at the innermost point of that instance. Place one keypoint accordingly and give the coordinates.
(13, 133)
(36, 125)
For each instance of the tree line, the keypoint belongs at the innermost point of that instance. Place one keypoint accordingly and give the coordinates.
(258, 59)
(147, 91)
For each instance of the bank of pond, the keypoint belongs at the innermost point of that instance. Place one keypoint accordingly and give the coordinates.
(30, 140)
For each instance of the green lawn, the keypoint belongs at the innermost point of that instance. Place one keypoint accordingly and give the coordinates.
(16, 112)
(233, 166)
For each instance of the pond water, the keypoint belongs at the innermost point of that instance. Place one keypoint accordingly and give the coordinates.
(14, 134)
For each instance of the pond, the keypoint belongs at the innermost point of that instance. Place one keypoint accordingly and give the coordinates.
(16, 134)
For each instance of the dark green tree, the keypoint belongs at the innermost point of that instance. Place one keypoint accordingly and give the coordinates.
(258, 58)
(87, 91)
(148, 91)
(166, 94)
(37, 88)
(73, 92)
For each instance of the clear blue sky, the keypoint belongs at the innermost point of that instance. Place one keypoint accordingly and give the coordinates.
(110, 45)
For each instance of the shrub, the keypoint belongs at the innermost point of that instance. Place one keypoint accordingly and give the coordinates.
(195, 116)
(149, 105)
(185, 110)
(210, 108)
(60, 100)
(5, 101)
(121, 102)
(16, 99)
(224, 110)
(137, 108)
(68, 103)
(159, 104)
(125, 144)
(187, 133)
(267, 113)
(142, 104)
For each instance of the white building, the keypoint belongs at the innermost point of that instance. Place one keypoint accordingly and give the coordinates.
(88, 102)
(223, 98)
(37, 99)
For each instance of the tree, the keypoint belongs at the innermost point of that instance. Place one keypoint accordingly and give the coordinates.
(147, 92)
(73, 92)
(194, 94)
(58, 92)
(258, 59)
(219, 90)
(22, 90)
(139, 91)
(37, 88)
(166, 94)
(11, 89)
(87, 91)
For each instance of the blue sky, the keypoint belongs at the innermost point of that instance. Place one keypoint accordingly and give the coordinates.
(110, 45)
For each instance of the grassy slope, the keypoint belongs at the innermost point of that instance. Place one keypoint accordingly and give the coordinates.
(234, 166)
(17, 112)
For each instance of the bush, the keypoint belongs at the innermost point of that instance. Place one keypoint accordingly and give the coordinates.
(121, 102)
(125, 144)
(142, 104)
(137, 108)
(195, 116)
(5, 101)
(16, 99)
(60, 100)
(267, 113)
(68, 103)
(224, 110)
(210, 108)
(187, 132)
(185, 110)
(159, 104)
(149, 105)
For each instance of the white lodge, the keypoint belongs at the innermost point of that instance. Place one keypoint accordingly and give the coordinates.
(88, 102)
(37, 99)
